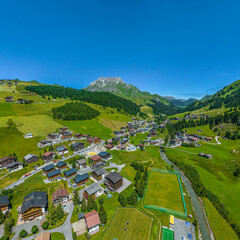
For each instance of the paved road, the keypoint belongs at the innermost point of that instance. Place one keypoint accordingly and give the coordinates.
(206, 233)
(66, 228)
(22, 179)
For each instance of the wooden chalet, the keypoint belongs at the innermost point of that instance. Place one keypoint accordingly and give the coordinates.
(81, 163)
(31, 158)
(113, 181)
(96, 159)
(62, 165)
(93, 140)
(70, 173)
(81, 179)
(93, 222)
(53, 175)
(109, 146)
(49, 156)
(7, 160)
(104, 155)
(98, 174)
(78, 135)
(78, 146)
(14, 166)
(93, 189)
(60, 196)
(34, 205)
(61, 150)
(4, 203)
(48, 168)
(9, 99)
(66, 135)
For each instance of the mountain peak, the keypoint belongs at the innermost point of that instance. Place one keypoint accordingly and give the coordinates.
(103, 81)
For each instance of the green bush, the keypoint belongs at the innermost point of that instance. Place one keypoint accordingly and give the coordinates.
(23, 233)
(45, 225)
(34, 229)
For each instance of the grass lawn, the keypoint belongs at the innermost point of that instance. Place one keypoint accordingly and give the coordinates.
(138, 228)
(139, 137)
(216, 173)
(57, 236)
(163, 191)
(6, 109)
(206, 131)
(220, 227)
(150, 154)
(38, 125)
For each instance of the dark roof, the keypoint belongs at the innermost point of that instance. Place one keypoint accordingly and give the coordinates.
(48, 167)
(99, 171)
(103, 154)
(10, 165)
(6, 158)
(61, 163)
(54, 173)
(114, 177)
(70, 172)
(80, 178)
(4, 200)
(34, 199)
(81, 215)
(77, 144)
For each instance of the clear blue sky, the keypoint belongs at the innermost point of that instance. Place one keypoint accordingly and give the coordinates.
(169, 47)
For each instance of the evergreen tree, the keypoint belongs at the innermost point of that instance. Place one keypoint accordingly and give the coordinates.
(122, 199)
(102, 215)
(84, 205)
(95, 206)
(138, 175)
(59, 212)
(2, 216)
(76, 199)
(132, 199)
(90, 203)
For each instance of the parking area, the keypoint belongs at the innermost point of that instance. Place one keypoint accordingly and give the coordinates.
(183, 230)
(126, 183)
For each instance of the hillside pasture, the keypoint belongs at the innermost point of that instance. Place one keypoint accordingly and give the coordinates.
(205, 131)
(216, 173)
(6, 109)
(129, 223)
(38, 125)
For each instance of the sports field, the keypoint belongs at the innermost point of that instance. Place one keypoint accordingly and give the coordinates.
(167, 234)
(128, 224)
(163, 192)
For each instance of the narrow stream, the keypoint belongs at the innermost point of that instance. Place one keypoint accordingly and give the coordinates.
(206, 232)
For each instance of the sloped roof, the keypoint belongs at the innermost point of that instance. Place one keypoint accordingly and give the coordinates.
(34, 199)
(60, 193)
(92, 219)
(70, 172)
(54, 173)
(6, 158)
(80, 178)
(46, 154)
(114, 177)
(61, 163)
(95, 157)
(4, 200)
(48, 167)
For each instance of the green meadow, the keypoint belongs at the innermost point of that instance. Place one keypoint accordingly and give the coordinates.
(216, 173)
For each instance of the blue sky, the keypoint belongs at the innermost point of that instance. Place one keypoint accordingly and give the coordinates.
(179, 48)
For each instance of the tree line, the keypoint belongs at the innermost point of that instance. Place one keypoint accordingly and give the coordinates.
(105, 99)
(74, 111)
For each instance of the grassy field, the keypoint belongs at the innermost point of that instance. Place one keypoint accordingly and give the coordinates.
(57, 236)
(218, 224)
(38, 125)
(216, 173)
(138, 227)
(150, 154)
(206, 131)
(163, 191)
(6, 109)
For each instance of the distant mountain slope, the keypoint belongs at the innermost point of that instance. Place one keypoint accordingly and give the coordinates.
(118, 87)
(180, 102)
(105, 99)
(229, 96)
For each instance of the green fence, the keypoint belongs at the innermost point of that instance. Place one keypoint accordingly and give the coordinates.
(161, 209)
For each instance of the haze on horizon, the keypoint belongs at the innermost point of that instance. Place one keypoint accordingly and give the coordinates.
(181, 49)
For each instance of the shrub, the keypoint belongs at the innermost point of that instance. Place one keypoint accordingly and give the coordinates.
(45, 225)
(34, 229)
(23, 233)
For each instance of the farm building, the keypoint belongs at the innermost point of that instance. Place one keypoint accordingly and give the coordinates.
(14, 166)
(113, 181)
(93, 222)
(60, 196)
(34, 205)
(7, 160)
(31, 158)
(4, 203)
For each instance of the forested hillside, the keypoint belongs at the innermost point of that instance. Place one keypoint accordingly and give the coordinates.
(74, 111)
(228, 96)
(105, 99)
